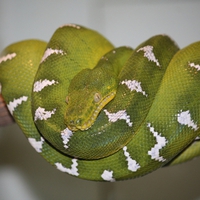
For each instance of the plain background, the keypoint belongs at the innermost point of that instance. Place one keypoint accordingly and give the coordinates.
(24, 174)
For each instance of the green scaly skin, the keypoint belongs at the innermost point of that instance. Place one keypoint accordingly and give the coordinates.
(128, 112)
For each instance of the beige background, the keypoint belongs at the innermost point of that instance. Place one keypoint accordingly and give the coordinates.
(24, 174)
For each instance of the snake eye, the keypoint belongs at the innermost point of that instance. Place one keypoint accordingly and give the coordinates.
(97, 97)
(67, 99)
(78, 121)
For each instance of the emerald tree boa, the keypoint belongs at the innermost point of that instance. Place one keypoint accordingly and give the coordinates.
(103, 113)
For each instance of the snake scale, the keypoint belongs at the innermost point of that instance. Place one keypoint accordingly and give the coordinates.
(103, 113)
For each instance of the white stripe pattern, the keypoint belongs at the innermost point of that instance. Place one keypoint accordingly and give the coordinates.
(12, 105)
(66, 135)
(134, 85)
(184, 118)
(37, 145)
(73, 170)
(107, 175)
(51, 51)
(41, 114)
(193, 65)
(120, 115)
(132, 164)
(161, 142)
(7, 57)
(148, 53)
(41, 84)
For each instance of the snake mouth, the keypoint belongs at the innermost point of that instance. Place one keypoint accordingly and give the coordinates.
(85, 123)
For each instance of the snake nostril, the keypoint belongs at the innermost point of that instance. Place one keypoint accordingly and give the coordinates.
(71, 122)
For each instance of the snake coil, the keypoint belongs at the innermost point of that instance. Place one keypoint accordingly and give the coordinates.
(104, 113)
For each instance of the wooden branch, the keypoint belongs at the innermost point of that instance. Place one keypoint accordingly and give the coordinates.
(5, 117)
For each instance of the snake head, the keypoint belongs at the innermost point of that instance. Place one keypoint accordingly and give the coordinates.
(89, 91)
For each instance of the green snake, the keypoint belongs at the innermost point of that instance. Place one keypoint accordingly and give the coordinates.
(103, 113)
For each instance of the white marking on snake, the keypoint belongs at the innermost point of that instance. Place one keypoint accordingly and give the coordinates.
(0, 88)
(7, 57)
(41, 114)
(73, 170)
(39, 85)
(71, 25)
(184, 118)
(65, 135)
(148, 53)
(107, 176)
(193, 65)
(16, 102)
(134, 86)
(37, 145)
(132, 164)
(51, 51)
(122, 114)
(161, 142)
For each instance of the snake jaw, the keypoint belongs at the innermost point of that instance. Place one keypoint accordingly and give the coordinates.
(83, 124)
(96, 112)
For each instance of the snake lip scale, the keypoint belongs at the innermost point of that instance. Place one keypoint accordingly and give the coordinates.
(103, 113)
(79, 124)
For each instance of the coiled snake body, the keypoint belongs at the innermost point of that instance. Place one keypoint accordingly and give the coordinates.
(104, 113)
